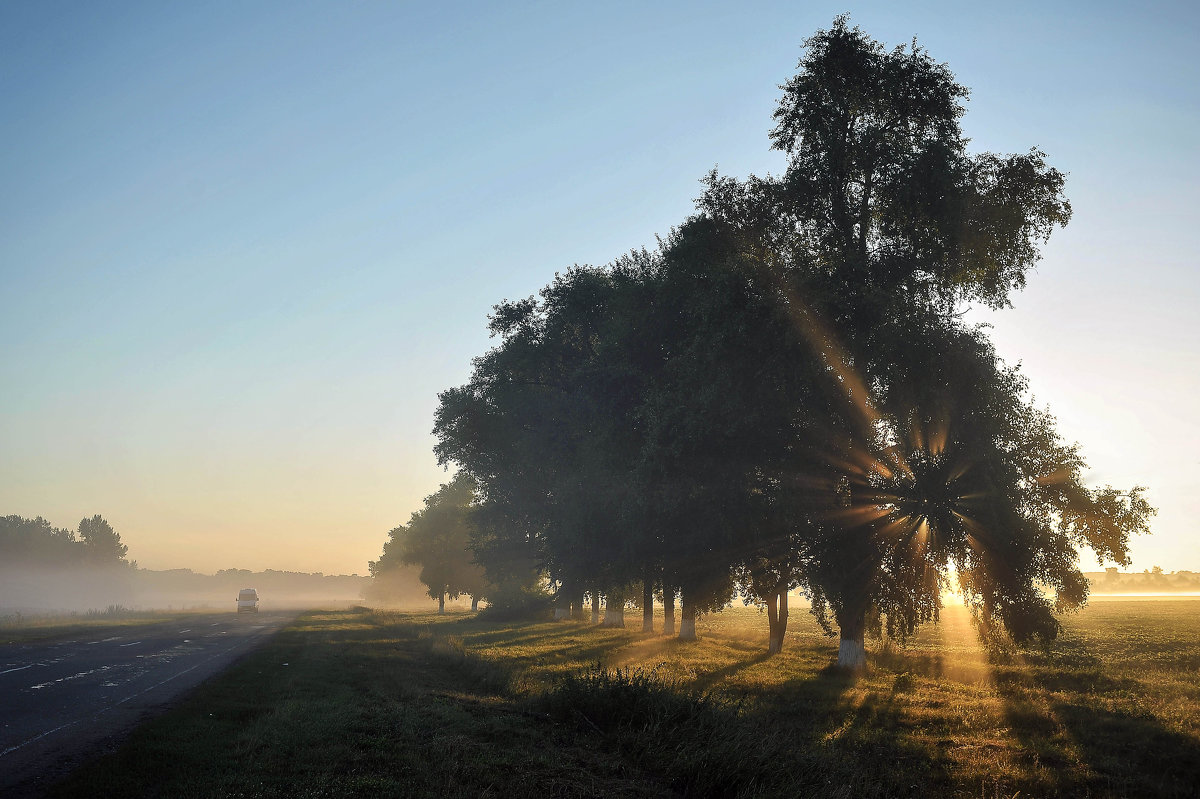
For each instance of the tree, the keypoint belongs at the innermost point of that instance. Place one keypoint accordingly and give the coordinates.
(785, 391)
(880, 228)
(26, 542)
(547, 427)
(437, 538)
(101, 542)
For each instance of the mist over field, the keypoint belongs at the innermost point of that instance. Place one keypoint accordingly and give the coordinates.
(42, 589)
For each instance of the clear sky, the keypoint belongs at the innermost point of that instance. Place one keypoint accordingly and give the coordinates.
(244, 245)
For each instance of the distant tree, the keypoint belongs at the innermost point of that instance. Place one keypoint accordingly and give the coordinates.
(101, 542)
(36, 541)
(28, 541)
(437, 539)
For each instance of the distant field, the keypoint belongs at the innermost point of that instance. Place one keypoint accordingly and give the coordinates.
(367, 703)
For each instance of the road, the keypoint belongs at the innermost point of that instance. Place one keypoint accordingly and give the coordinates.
(63, 700)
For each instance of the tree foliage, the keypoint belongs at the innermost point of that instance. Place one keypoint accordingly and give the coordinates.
(101, 542)
(437, 539)
(37, 542)
(784, 394)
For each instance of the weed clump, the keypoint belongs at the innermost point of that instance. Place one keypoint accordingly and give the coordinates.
(633, 699)
(700, 742)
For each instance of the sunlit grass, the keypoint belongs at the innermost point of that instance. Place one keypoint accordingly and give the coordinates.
(380, 703)
(1106, 709)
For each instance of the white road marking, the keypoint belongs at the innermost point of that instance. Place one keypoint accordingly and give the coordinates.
(134, 643)
(65, 679)
(38, 738)
(18, 668)
(102, 711)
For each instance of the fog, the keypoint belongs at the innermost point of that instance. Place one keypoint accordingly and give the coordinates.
(39, 589)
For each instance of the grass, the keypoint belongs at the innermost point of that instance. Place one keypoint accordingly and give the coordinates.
(370, 703)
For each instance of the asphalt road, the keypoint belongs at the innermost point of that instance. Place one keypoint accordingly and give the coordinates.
(62, 701)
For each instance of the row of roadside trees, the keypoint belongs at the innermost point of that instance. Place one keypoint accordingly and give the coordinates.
(784, 393)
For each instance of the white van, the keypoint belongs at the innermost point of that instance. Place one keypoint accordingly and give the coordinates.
(247, 600)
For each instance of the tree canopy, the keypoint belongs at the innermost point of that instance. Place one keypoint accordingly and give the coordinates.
(784, 393)
(37, 542)
(437, 539)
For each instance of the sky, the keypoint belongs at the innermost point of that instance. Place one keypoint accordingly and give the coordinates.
(243, 246)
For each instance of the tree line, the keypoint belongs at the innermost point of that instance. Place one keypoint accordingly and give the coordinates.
(784, 393)
(35, 542)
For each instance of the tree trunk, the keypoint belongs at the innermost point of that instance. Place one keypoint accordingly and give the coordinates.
(474, 604)
(852, 651)
(442, 604)
(614, 610)
(562, 605)
(772, 624)
(777, 619)
(668, 609)
(783, 617)
(577, 606)
(687, 623)
(648, 605)
(595, 606)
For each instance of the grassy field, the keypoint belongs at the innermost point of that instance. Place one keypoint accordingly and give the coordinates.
(374, 703)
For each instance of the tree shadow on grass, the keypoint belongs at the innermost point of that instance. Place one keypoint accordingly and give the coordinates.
(1082, 736)
(711, 679)
(851, 739)
(534, 633)
(1132, 755)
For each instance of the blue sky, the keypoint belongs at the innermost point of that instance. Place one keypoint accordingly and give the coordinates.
(243, 246)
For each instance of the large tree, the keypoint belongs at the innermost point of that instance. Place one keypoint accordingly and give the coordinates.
(881, 228)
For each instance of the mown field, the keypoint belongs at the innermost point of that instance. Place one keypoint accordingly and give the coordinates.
(378, 703)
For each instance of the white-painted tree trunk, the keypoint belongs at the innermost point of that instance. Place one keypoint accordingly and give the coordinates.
(687, 629)
(852, 654)
(614, 617)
